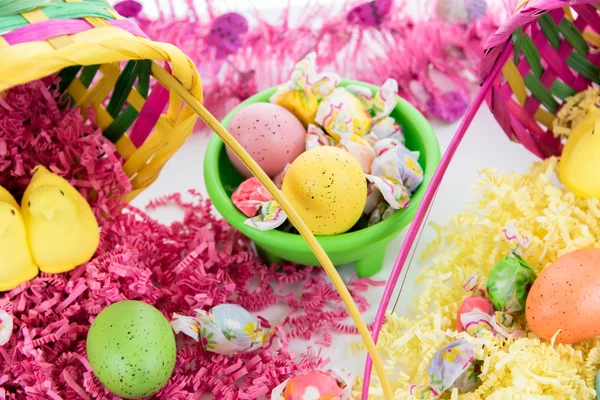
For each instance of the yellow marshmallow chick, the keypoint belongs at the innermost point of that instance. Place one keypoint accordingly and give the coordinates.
(580, 159)
(16, 265)
(61, 227)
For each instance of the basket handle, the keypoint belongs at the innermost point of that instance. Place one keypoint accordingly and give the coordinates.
(169, 81)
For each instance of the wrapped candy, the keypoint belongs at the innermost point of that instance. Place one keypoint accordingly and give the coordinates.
(506, 326)
(331, 385)
(341, 113)
(315, 137)
(249, 196)
(472, 312)
(508, 284)
(394, 192)
(302, 93)
(226, 329)
(271, 216)
(380, 213)
(453, 366)
(473, 286)
(6, 327)
(360, 149)
(401, 165)
(278, 179)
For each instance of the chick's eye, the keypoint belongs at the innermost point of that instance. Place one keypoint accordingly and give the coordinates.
(28, 204)
(62, 193)
(13, 212)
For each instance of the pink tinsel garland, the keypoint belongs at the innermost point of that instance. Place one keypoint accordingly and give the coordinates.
(196, 263)
(434, 60)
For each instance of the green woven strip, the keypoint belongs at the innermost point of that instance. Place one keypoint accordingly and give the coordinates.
(67, 75)
(532, 55)
(516, 38)
(585, 68)
(118, 127)
(562, 90)
(550, 30)
(9, 22)
(143, 85)
(573, 36)
(541, 93)
(13, 7)
(88, 74)
(122, 88)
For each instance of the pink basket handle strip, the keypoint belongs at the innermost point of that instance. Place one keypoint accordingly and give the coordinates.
(52, 28)
(150, 113)
(419, 219)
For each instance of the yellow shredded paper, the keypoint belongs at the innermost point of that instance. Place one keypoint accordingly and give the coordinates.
(556, 222)
(574, 110)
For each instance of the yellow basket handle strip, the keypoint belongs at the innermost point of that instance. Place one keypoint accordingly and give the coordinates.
(293, 216)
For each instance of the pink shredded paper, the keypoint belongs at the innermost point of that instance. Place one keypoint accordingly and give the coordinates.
(198, 262)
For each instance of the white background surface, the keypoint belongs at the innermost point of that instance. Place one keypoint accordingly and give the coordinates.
(484, 146)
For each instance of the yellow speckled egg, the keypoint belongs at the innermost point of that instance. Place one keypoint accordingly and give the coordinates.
(327, 187)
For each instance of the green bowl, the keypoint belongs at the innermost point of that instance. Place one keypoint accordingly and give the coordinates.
(366, 247)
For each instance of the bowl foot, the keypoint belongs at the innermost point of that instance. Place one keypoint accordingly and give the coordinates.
(371, 264)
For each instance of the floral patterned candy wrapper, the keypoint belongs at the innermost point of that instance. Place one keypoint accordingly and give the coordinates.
(386, 144)
(477, 323)
(278, 179)
(6, 327)
(380, 213)
(387, 127)
(373, 198)
(394, 193)
(363, 94)
(454, 365)
(334, 384)
(360, 149)
(249, 196)
(229, 329)
(399, 164)
(385, 99)
(189, 326)
(342, 113)
(505, 326)
(302, 93)
(271, 216)
(509, 283)
(315, 137)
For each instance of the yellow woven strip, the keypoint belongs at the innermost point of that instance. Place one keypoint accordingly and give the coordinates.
(164, 132)
(173, 84)
(125, 147)
(136, 100)
(568, 14)
(515, 81)
(592, 37)
(3, 42)
(545, 117)
(175, 103)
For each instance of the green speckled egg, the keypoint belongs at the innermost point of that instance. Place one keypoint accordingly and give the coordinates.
(131, 348)
(328, 188)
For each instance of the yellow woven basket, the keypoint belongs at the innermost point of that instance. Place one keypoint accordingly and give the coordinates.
(107, 64)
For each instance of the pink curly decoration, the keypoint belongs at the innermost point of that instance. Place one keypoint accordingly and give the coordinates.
(198, 262)
(368, 41)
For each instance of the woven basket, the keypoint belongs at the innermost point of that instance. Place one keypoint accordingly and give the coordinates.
(107, 65)
(545, 52)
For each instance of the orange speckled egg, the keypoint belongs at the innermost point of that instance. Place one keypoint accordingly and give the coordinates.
(328, 188)
(566, 296)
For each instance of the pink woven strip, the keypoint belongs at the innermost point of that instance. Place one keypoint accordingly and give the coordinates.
(52, 28)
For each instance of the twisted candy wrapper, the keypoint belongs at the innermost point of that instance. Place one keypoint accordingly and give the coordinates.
(394, 193)
(332, 385)
(401, 165)
(479, 323)
(342, 113)
(249, 196)
(509, 283)
(302, 93)
(6, 327)
(473, 286)
(360, 149)
(315, 137)
(226, 329)
(271, 216)
(453, 366)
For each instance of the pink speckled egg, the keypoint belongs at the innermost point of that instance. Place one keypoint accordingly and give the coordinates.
(272, 135)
